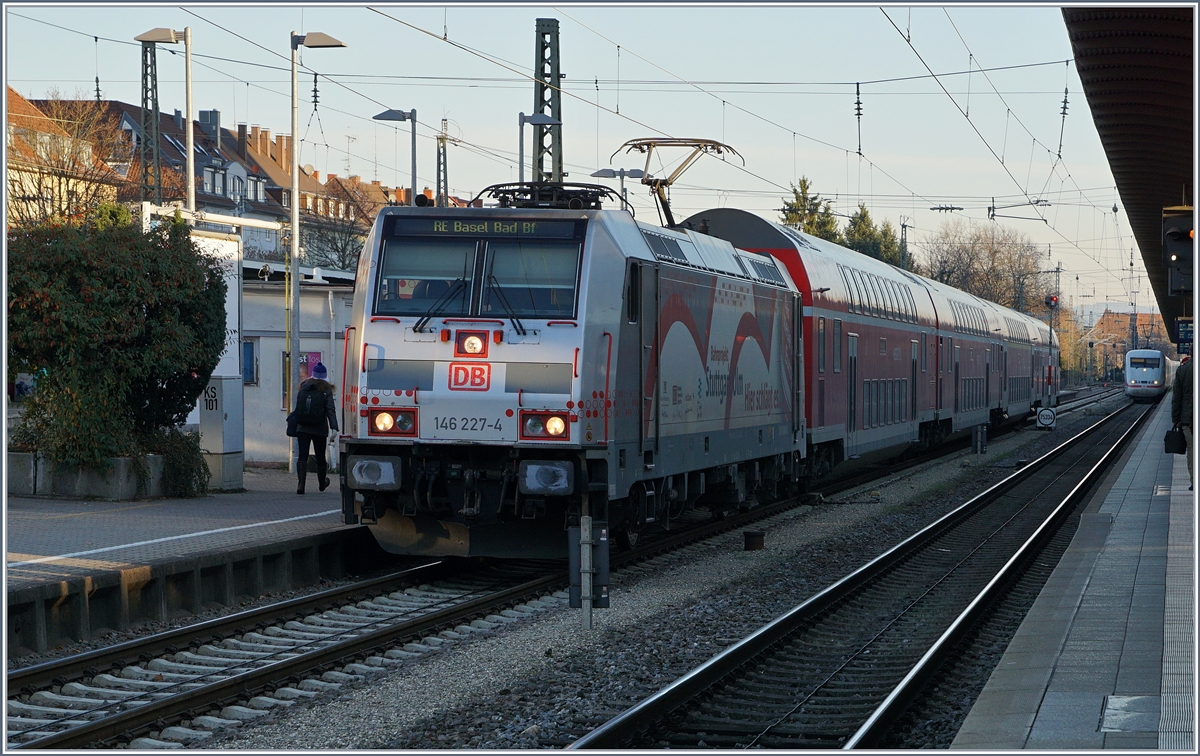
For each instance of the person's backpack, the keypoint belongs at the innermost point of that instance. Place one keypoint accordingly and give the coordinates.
(310, 407)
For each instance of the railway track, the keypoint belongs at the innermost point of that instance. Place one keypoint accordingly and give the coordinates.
(238, 668)
(837, 670)
(214, 674)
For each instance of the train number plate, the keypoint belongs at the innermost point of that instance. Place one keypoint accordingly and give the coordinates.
(467, 424)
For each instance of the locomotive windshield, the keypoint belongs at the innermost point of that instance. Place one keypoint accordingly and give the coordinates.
(1143, 362)
(536, 279)
(475, 267)
(417, 273)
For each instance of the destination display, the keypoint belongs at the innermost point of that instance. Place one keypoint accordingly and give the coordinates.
(483, 227)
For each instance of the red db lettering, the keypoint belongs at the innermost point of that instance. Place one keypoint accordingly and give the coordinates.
(470, 376)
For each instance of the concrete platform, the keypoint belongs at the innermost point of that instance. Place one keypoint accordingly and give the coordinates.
(75, 569)
(1106, 657)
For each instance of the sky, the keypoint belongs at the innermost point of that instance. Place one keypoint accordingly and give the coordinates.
(779, 84)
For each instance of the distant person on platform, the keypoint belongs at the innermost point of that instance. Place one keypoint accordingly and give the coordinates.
(1181, 411)
(315, 417)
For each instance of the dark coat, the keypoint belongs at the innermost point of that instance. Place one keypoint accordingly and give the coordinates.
(330, 422)
(1181, 395)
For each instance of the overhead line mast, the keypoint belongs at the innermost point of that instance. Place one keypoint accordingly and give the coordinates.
(547, 99)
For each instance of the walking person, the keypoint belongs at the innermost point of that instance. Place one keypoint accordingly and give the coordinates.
(315, 416)
(1181, 412)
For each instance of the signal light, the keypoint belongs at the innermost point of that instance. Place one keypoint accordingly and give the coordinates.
(1179, 241)
(1052, 301)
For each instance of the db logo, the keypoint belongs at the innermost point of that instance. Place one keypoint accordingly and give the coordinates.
(470, 376)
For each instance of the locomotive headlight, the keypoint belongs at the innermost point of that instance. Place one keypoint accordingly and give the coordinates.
(472, 344)
(555, 425)
(534, 426)
(546, 477)
(393, 422)
(404, 422)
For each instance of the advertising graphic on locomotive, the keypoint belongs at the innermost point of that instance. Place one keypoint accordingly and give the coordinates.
(511, 367)
(1148, 374)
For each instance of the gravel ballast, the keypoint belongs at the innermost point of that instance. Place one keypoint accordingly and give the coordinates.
(543, 681)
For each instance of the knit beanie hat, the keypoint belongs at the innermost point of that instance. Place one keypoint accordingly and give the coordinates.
(319, 372)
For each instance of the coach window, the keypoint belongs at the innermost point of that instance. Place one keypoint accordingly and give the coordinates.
(883, 346)
(837, 345)
(893, 303)
(924, 350)
(851, 293)
(867, 404)
(863, 304)
(821, 345)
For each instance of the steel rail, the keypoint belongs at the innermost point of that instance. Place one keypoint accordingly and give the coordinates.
(82, 665)
(872, 731)
(248, 683)
(244, 684)
(613, 733)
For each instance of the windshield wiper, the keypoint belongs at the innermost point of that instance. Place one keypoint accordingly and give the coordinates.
(494, 285)
(439, 305)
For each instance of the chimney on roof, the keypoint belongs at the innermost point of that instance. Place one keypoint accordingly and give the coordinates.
(355, 179)
(329, 177)
(283, 155)
(179, 119)
(264, 142)
(242, 141)
(316, 176)
(376, 183)
(210, 124)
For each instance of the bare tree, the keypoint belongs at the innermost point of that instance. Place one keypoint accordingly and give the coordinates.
(990, 261)
(66, 158)
(334, 235)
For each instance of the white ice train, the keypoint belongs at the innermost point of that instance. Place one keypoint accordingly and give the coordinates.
(1148, 374)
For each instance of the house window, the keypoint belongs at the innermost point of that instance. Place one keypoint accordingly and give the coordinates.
(250, 362)
(321, 206)
(341, 209)
(286, 199)
(209, 180)
(237, 187)
(350, 210)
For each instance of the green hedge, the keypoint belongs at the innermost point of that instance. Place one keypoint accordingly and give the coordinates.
(128, 327)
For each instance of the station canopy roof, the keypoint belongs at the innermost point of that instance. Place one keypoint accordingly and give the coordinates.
(1138, 75)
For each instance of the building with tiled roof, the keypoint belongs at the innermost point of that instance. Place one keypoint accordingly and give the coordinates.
(58, 161)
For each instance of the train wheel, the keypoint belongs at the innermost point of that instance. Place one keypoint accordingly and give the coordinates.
(627, 538)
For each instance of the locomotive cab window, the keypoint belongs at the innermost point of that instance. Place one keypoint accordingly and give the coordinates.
(530, 279)
(417, 274)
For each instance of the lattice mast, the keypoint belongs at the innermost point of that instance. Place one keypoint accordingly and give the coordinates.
(151, 159)
(547, 99)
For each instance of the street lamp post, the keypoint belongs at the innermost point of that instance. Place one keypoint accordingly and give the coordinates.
(400, 115)
(314, 40)
(170, 37)
(537, 119)
(622, 172)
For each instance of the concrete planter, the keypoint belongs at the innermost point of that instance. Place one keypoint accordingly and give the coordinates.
(34, 475)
